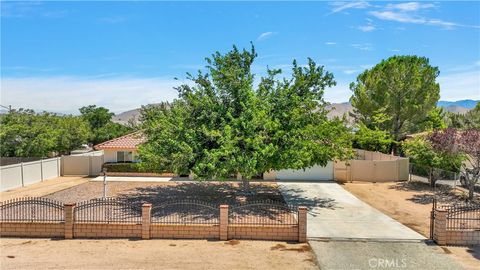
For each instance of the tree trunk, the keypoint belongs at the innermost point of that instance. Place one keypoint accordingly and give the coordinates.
(471, 188)
(431, 177)
(246, 185)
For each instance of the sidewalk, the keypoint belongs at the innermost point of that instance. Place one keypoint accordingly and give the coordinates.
(44, 188)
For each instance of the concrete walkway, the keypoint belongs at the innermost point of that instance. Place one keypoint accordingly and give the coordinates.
(334, 213)
(44, 188)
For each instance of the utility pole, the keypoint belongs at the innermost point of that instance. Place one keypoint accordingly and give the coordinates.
(9, 108)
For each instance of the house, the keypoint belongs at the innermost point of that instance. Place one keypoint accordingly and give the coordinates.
(122, 149)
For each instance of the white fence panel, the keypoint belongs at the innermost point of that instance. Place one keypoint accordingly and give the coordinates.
(32, 172)
(11, 177)
(51, 168)
(22, 174)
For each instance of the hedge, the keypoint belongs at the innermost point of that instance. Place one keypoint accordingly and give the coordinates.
(126, 167)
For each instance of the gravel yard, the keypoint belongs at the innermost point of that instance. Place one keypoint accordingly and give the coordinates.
(155, 193)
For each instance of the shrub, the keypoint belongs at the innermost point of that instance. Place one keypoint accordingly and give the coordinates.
(372, 140)
(127, 167)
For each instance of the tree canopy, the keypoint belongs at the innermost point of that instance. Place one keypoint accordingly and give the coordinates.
(465, 143)
(396, 95)
(101, 126)
(25, 133)
(223, 124)
(372, 139)
(469, 120)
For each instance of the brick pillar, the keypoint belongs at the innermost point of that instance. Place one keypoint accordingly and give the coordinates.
(440, 227)
(223, 222)
(302, 224)
(146, 220)
(69, 219)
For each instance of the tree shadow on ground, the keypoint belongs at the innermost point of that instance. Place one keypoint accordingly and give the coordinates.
(212, 193)
(266, 204)
(443, 193)
(293, 195)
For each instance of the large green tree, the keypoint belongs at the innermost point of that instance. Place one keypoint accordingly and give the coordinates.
(25, 133)
(101, 126)
(396, 95)
(222, 125)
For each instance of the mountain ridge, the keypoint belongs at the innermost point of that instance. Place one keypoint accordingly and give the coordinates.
(336, 109)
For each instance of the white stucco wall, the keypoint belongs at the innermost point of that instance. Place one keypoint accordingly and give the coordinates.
(316, 173)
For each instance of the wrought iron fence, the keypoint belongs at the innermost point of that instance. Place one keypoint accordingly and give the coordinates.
(107, 210)
(427, 174)
(465, 216)
(263, 213)
(31, 209)
(185, 212)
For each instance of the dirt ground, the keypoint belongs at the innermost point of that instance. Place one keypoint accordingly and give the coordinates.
(410, 204)
(158, 192)
(44, 188)
(153, 254)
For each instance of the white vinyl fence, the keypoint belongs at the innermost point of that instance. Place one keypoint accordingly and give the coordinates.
(26, 173)
(22, 174)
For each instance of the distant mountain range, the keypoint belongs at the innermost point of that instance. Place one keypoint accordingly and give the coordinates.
(337, 109)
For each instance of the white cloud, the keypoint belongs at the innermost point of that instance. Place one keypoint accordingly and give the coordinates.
(363, 46)
(265, 35)
(339, 93)
(67, 94)
(29, 9)
(394, 50)
(341, 6)
(366, 28)
(405, 17)
(351, 71)
(411, 6)
(330, 43)
(462, 85)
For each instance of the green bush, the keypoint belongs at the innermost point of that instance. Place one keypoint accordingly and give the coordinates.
(421, 152)
(372, 140)
(127, 167)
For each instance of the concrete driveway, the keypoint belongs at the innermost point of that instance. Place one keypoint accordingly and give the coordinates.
(334, 213)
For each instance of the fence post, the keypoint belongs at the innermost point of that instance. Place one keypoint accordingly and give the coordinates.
(223, 222)
(69, 220)
(302, 224)
(440, 226)
(21, 170)
(41, 169)
(146, 220)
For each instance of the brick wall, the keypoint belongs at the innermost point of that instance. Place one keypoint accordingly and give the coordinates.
(452, 237)
(256, 232)
(194, 231)
(462, 238)
(146, 229)
(32, 229)
(111, 230)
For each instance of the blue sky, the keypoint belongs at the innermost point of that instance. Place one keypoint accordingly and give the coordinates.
(59, 56)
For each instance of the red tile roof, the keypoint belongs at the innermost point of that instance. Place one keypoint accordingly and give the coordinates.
(129, 141)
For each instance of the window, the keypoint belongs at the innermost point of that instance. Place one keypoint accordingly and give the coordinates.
(124, 156)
